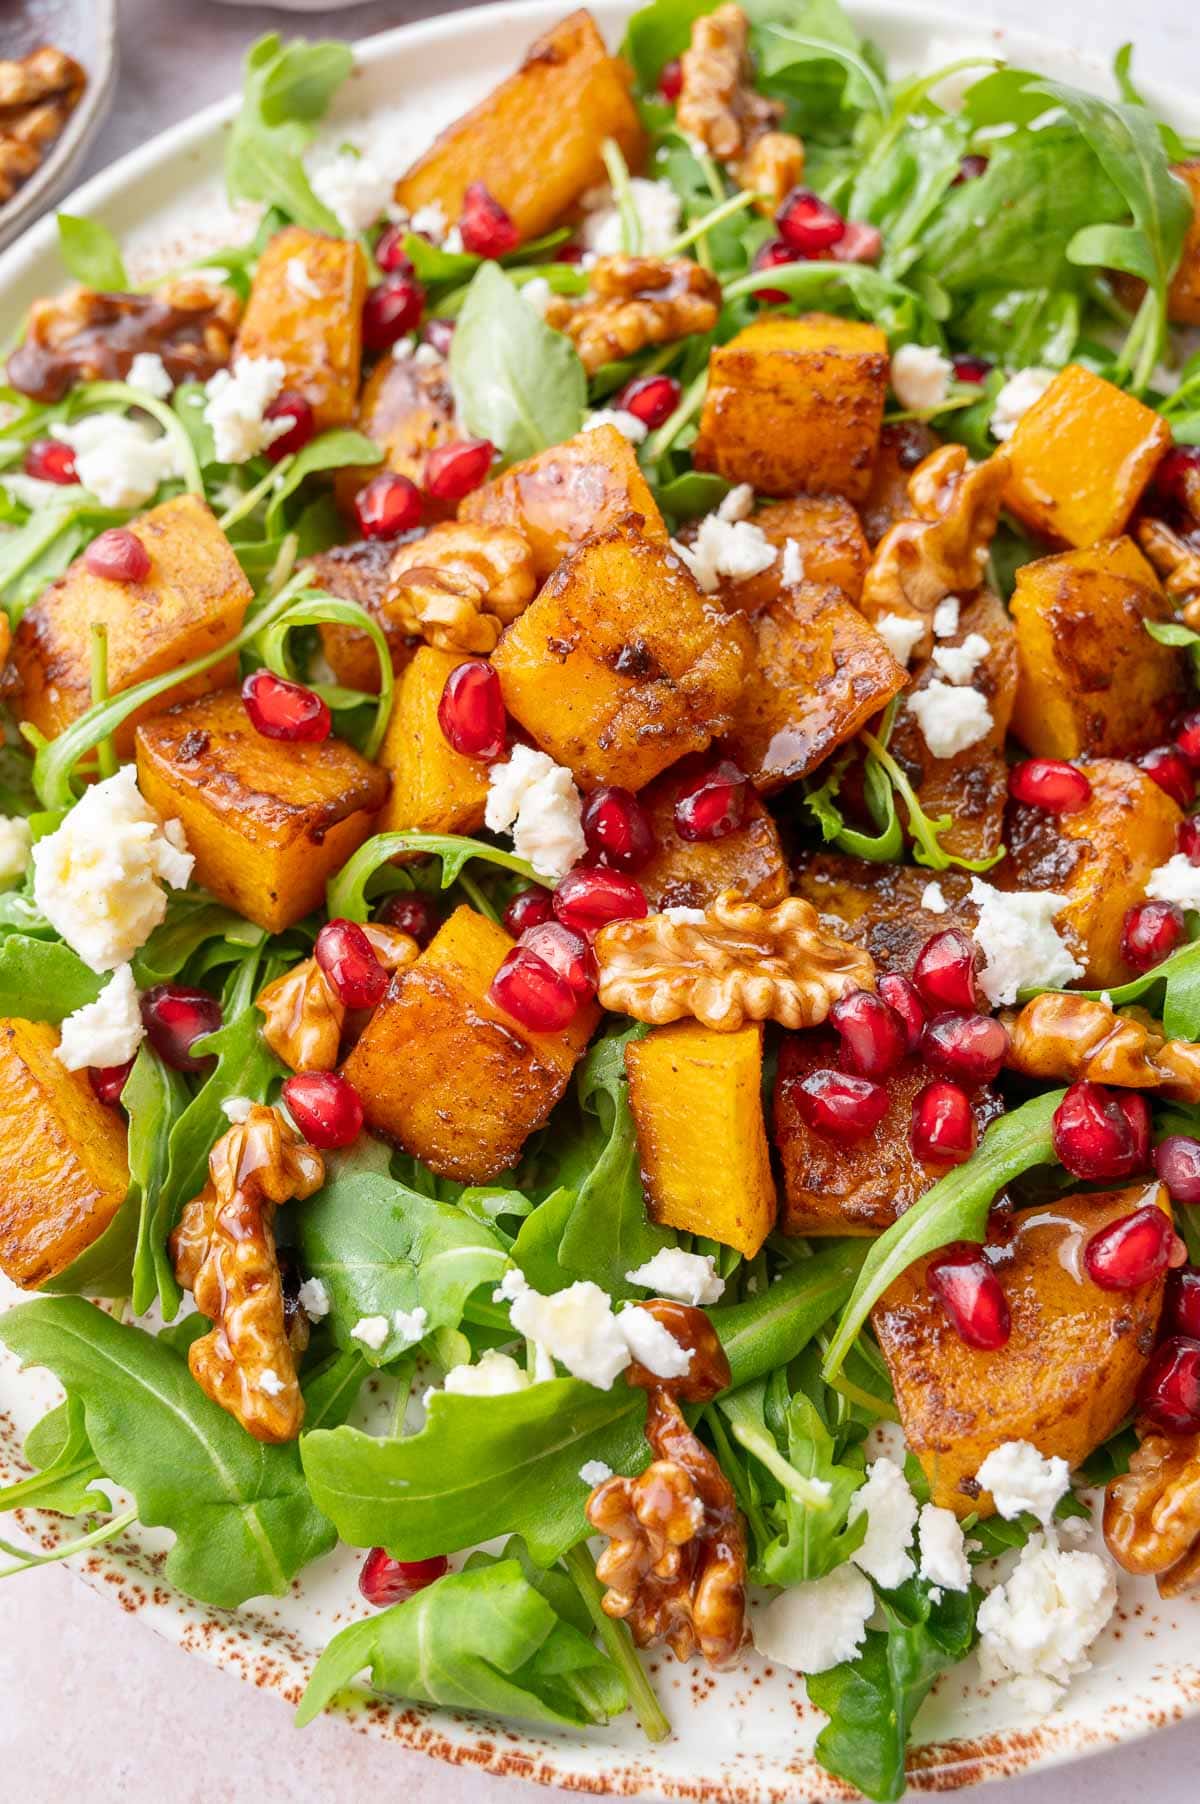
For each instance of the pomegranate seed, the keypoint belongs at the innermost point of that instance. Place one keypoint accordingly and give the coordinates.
(1171, 771)
(387, 506)
(566, 952)
(808, 224)
(964, 1283)
(295, 407)
(390, 253)
(1049, 783)
(1188, 838)
(670, 82)
(50, 461)
(591, 896)
(108, 1081)
(650, 399)
(1131, 1251)
(528, 908)
(1101, 1133)
(714, 805)
(770, 256)
(325, 1107)
(440, 334)
(174, 1018)
(452, 471)
(1170, 1389)
(347, 958)
(860, 243)
(1177, 1165)
(973, 1047)
(970, 168)
(392, 309)
(1181, 1305)
(385, 1581)
(945, 970)
(411, 912)
(571, 252)
(279, 709)
(533, 993)
(471, 711)
(487, 230)
(971, 369)
(1151, 930)
(118, 555)
(902, 999)
(1177, 479)
(839, 1104)
(874, 1039)
(943, 1124)
(617, 829)
(1187, 738)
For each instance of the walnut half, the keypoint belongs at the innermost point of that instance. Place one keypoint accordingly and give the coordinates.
(1072, 1037)
(1152, 1512)
(719, 104)
(739, 963)
(634, 302)
(303, 1017)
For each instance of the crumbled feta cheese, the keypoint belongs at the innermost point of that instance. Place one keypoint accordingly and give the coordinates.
(920, 378)
(496, 1375)
(235, 405)
(1020, 1479)
(792, 563)
(105, 1032)
(314, 1299)
(119, 460)
(270, 1382)
(236, 1109)
(950, 719)
(1016, 398)
(652, 1345)
(452, 243)
(511, 1286)
(891, 1511)
(410, 1324)
(404, 347)
(818, 1623)
(354, 188)
(296, 274)
(430, 222)
(730, 548)
(944, 1559)
(1022, 948)
(594, 1472)
(626, 423)
(536, 799)
(149, 373)
(689, 1277)
(945, 617)
(899, 634)
(933, 898)
(657, 206)
(538, 293)
(99, 878)
(738, 503)
(372, 1330)
(1036, 1628)
(960, 662)
(16, 844)
(1176, 881)
(577, 1327)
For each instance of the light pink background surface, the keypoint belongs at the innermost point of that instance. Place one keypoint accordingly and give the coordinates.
(93, 1707)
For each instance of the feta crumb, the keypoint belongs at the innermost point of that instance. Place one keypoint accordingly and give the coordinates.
(818, 1623)
(730, 548)
(626, 423)
(512, 1285)
(578, 1328)
(149, 373)
(404, 347)
(738, 503)
(920, 378)
(99, 878)
(1176, 881)
(410, 1324)
(236, 1109)
(536, 800)
(792, 563)
(234, 409)
(899, 634)
(16, 845)
(354, 189)
(372, 1330)
(657, 206)
(296, 274)
(891, 1511)
(950, 719)
(119, 460)
(944, 1559)
(314, 1299)
(960, 662)
(933, 898)
(496, 1375)
(1021, 1479)
(270, 1382)
(538, 293)
(1016, 398)
(430, 221)
(452, 243)
(945, 617)
(105, 1032)
(651, 1344)
(594, 1472)
(1022, 948)
(689, 1277)
(1036, 1628)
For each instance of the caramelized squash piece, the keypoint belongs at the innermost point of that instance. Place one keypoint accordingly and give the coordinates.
(1183, 300)
(832, 550)
(193, 599)
(1066, 1379)
(360, 572)
(407, 407)
(901, 448)
(64, 1171)
(305, 309)
(879, 905)
(795, 406)
(687, 873)
(620, 666)
(434, 788)
(535, 141)
(1092, 682)
(717, 1183)
(268, 821)
(442, 1070)
(1082, 457)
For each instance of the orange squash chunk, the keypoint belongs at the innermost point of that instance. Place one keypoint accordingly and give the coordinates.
(879, 905)
(305, 309)
(407, 407)
(833, 550)
(359, 572)
(434, 788)
(901, 448)
(685, 873)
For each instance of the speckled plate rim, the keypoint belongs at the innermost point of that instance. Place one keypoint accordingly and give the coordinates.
(273, 1656)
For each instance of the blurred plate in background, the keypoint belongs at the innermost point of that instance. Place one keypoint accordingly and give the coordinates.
(86, 30)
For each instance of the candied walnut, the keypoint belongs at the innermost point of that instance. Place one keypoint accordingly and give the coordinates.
(495, 560)
(304, 1018)
(224, 1253)
(445, 610)
(1152, 1512)
(772, 167)
(675, 1566)
(740, 963)
(635, 302)
(719, 104)
(1177, 562)
(1071, 1037)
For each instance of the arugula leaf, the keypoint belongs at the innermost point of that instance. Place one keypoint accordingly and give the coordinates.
(91, 254)
(813, 1534)
(659, 32)
(1179, 1008)
(346, 894)
(43, 980)
(243, 1520)
(286, 89)
(818, 33)
(193, 919)
(331, 451)
(517, 382)
(319, 609)
(59, 1447)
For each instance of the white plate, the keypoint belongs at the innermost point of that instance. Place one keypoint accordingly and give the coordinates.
(742, 1736)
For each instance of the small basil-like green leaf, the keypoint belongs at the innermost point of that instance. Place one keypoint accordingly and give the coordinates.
(91, 254)
(517, 382)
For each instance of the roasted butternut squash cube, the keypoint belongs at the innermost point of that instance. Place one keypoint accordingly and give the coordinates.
(1183, 299)
(620, 666)
(407, 407)
(685, 873)
(442, 1070)
(838, 1186)
(193, 599)
(795, 406)
(879, 905)
(269, 821)
(1067, 1377)
(901, 448)
(832, 550)
(564, 495)
(305, 309)
(1092, 683)
(64, 1171)
(1099, 857)
(818, 674)
(535, 141)
(360, 572)
(1082, 457)
(718, 1184)
(434, 788)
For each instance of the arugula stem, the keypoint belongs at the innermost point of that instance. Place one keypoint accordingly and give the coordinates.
(106, 752)
(25, 1560)
(701, 227)
(618, 1645)
(252, 497)
(926, 832)
(476, 897)
(618, 176)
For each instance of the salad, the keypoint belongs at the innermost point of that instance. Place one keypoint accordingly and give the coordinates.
(597, 841)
